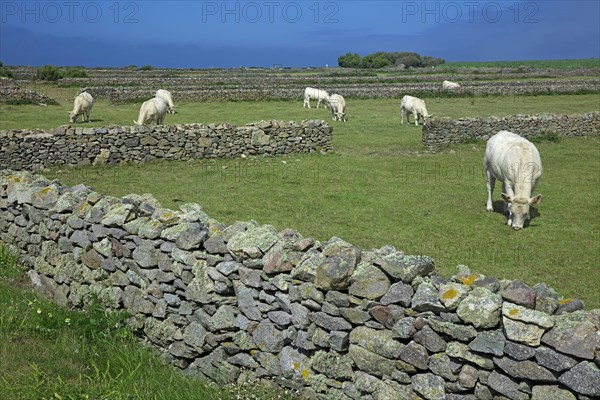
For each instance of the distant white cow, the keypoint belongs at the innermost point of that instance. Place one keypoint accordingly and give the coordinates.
(168, 98)
(316, 94)
(447, 85)
(337, 105)
(516, 162)
(152, 111)
(414, 105)
(81, 106)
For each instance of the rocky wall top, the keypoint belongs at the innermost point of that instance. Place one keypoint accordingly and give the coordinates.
(441, 131)
(69, 146)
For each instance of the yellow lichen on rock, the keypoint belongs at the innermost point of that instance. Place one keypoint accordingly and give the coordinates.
(449, 294)
(468, 280)
(565, 301)
(305, 373)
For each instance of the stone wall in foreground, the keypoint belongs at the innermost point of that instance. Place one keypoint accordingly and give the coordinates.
(70, 146)
(333, 321)
(441, 131)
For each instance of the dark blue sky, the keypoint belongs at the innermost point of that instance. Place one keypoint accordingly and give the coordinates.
(204, 34)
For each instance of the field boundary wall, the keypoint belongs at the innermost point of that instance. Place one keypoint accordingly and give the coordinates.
(442, 131)
(72, 146)
(246, 302)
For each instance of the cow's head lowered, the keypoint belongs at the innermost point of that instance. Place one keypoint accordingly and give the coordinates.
(519, 209)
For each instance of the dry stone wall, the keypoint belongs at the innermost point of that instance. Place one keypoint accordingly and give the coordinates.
(252, 89)
(441, 131)
(68, 146)
(331, 320)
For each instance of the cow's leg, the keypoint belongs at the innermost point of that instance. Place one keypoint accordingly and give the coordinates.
(509, 191)
(490, 182)
(402, 116)
(318, 102)
(416, 116)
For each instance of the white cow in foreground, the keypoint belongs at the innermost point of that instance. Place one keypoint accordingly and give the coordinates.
(337, 104)
(315, 94)
(447, 85)
(414, 105)
(152, 111)
(82, 106)
(516, 162)
(168, 98)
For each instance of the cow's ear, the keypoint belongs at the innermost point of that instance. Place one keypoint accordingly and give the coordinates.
(535, 200)
(506, 198)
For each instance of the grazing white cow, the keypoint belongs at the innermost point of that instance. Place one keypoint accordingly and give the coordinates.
(447, 85)
(337, 105)
(153, 111)
(82, 106)
(414, 105)
(316, 94)
(168, 98)
(516, 162)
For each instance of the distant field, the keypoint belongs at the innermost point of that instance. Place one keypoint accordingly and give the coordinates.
(567, 63)
(243, 112)
(381, 186)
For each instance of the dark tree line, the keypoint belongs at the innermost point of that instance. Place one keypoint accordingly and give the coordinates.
(386, 59)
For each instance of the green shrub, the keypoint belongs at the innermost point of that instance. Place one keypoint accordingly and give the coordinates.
(48, 73)
(146, 68)
(75, 72)
(4, 71)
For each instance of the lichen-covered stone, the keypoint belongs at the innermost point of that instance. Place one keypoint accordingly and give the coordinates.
(407, 268)
(368, 282)
(520, 313)
(459, 332)
(426, 299)
(529, 334)
(331, 365)
(306, 270)
(377, 341)
(441, 365)
(252, 243)
(551, 392)
(267, 337)
(429, 386)
(461, 351)
(336, 270)
(451, 294)
(481, 308)
(370, 362)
